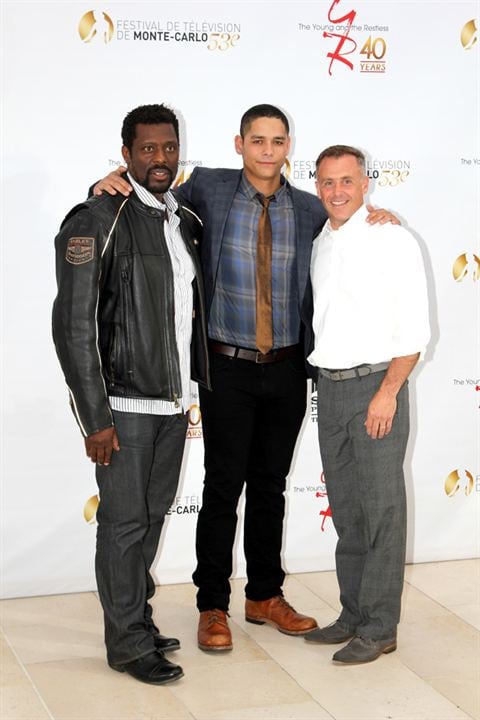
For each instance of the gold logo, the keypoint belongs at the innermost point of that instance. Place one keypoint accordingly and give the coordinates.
(288, 169)
(90, 509)
(465, 264)
(459, 479)
(469, 35)
(223, 41)
(95, 24)
(194, 430)
(183, 177)
(194, 415)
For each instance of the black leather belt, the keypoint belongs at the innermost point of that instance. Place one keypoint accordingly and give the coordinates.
(253, 355)
(350, 373)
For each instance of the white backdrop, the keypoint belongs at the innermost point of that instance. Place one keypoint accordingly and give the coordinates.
(398, 79)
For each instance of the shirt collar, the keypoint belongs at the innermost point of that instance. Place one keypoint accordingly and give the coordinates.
(150, 200)
(247, 189)
(358, 217)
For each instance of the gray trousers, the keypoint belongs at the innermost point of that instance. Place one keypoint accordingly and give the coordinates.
(136, 491)
(366, 491)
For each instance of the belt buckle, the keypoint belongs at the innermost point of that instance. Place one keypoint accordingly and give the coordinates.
(261, 359)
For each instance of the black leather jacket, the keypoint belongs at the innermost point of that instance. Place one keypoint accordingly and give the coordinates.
(113, 317)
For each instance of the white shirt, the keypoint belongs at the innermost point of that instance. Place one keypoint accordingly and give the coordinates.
(369, 294)
(183, 275)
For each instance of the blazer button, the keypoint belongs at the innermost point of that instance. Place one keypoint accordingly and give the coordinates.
(195, 241)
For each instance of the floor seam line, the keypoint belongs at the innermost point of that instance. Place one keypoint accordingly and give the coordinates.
(28, 676)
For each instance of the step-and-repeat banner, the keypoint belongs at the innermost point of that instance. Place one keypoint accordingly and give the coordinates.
(399, 80)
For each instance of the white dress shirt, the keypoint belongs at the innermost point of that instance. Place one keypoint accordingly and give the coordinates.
(369, 294)
(183, 275)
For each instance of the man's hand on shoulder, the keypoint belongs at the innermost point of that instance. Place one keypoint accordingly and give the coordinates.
(114, 183)
(100, 445)
(381, 216)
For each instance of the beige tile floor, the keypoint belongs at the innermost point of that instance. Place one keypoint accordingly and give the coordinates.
(53, 667)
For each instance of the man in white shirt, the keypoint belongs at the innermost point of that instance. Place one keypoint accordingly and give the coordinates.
(370, 323)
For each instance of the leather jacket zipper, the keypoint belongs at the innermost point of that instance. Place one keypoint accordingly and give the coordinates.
(113, 350)
(127, 311)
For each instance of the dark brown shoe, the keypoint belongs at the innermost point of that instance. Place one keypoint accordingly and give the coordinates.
(277, 612)
(213, 631)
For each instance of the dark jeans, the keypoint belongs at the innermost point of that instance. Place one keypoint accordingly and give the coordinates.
(250, 421)
(136, 490)
(366, 491)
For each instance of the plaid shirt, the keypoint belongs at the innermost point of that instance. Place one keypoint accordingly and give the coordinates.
(232, 316)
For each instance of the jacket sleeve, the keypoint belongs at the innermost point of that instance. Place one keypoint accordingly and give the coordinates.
(75, 328)
(186, 192)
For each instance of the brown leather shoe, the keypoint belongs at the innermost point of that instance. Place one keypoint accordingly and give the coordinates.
(277, 612)
(213, 631)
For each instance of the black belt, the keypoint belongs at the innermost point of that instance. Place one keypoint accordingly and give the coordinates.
(253, 355)
(358, 372)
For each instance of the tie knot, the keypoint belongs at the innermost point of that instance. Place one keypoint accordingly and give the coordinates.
(265, 200)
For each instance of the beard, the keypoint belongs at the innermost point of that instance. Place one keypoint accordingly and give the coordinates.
(154, 184)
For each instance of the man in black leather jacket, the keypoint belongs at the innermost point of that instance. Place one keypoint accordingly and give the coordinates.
(129, 328)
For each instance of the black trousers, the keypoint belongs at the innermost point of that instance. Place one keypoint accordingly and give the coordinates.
(251, 421)
(136, 491)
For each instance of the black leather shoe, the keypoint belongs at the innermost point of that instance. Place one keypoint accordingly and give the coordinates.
(153, 668)
(165, 644)
(364, 650)
(337, 632)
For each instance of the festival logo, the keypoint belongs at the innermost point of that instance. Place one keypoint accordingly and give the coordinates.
(90, 509)
(95, 24)
(314, 408)
(467, 264)
(287, 169)
(303, 170)
(215, 36)
(185, 505)
(459, 480)
(385, 173)
(469, 34)
(388, 173)
(185, 170)
(182, 177)
(194, 430)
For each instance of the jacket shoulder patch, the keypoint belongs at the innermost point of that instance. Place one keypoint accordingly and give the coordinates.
(80, 250)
